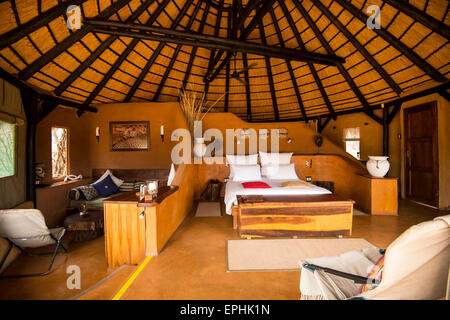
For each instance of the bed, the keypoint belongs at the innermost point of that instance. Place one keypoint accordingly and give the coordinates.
(287, 212)
(235, 188)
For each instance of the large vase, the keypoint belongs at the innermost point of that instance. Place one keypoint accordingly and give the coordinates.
(199, 147)
(378, 166)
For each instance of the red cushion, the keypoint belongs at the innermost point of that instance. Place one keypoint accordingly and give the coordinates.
(255, 184)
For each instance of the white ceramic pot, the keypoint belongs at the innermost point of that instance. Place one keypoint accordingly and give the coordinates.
(378, 166)
(199, 147)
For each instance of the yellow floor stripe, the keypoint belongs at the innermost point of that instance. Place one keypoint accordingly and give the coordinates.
(131, 280)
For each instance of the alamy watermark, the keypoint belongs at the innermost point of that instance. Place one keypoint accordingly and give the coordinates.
(374, 20)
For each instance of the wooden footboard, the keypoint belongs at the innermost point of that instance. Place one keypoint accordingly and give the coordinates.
(290, 216)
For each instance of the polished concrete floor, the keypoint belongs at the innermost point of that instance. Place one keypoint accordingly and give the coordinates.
(192, 266)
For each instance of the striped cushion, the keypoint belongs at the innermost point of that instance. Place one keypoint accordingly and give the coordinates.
(138, 184)
(375, 273)
(127, 186)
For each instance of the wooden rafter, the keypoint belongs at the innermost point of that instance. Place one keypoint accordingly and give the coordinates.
(310, 65)
(36, 23)
(270, 76)
(124, 55)
(139, 31)
(177, 49)
(98, 51)
(237, 23)
(418, 15)
(194, 49)
(247, 88)
(289, 66)
(387, 78)
(400, 46)
(260, 13)
(340, 66)
(59, 48)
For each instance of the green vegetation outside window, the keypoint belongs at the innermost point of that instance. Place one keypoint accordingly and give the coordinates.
(7, 149)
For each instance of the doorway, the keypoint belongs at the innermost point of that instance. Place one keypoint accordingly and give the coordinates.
(421, 153)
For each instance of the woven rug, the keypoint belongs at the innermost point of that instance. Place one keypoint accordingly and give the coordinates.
(208, 209)
(284, 254)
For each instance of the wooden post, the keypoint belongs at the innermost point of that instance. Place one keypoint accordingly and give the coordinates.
(385, 130)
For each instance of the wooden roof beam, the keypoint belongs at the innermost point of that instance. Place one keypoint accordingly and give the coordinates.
(418, 15)
(310, 65)
(194, 49)
(124, 55)
(98, 51)
(387, 78)
(270, 76)
(176, 52)
(260, 13)
(397, 44)
(210, 42)
(289, 66)
(59, 48)
(36, 23)
(237, 23)
(328, 48)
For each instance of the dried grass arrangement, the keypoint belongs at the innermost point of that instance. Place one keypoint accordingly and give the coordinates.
(193, 104)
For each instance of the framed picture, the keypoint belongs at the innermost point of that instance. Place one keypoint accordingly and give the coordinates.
(129, 135)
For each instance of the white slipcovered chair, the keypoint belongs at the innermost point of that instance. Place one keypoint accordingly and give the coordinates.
(26, 228)
(416, 267)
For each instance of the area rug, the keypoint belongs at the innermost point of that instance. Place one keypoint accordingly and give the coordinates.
(208, 209)
(285, 254)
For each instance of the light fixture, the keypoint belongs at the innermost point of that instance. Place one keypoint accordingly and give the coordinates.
(162, 133)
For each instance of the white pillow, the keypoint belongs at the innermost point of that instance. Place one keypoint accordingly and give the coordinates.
(171, 175)
(116, 180)
(270, 159)
(281, 172)
(246, 173)
(241, 159)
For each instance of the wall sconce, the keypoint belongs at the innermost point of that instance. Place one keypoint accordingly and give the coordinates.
(162, 133)
(288, 140)
(97, 133)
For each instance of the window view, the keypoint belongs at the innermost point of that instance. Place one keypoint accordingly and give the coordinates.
(352, 142)
(59, 152)
(7, 149)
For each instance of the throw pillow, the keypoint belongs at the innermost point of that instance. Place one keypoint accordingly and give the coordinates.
(246, 173)
(273, 159)
(137, 184)
(106, 187)
(281, 172)
(127, 187)
(75, 194)
(116, 180)
(295, 184)
(89, 192)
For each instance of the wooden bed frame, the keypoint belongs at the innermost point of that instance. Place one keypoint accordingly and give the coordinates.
(293, 215)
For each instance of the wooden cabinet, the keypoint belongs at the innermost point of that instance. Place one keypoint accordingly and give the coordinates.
(378, 196)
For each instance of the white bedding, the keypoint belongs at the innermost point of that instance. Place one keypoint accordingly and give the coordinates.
(234, 188)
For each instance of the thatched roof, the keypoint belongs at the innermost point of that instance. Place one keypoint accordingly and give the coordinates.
(337, 62)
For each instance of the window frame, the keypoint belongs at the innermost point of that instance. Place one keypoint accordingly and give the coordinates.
(51, 152)
(16, 152)
(345, 140)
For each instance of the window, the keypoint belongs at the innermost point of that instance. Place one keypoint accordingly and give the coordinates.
(352, 142)
(59, 152)
(7, 149)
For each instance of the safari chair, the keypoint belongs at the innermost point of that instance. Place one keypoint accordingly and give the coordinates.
(26, 228)
(416, 267)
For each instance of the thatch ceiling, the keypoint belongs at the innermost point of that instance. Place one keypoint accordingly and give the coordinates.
(104, 64)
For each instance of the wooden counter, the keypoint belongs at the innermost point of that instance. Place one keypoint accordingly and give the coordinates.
(130, 226)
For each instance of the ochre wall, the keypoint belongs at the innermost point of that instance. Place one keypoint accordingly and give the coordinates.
(86, 153)
(302, 134)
